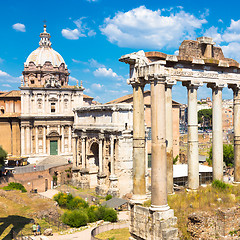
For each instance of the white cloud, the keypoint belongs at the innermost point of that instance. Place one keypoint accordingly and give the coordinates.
(73, 79)
(144, 28)
(81, 31)
(72, 34)
(104, 72)
(220, 20)
(86, 70)
(96, 86)
(1, 60)
(213, 33)
(76, 61)
(232, 50)
(6, 85)
(4, 74)
(92, 0)
(19, 27)
(94, 63)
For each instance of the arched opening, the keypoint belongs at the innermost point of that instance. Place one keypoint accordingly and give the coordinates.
(95, 152)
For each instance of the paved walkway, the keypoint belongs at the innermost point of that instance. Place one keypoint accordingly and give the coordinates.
(49, 193)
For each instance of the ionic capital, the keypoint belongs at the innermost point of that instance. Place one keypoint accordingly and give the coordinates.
(140, 81)
(194, 84)
(234, 86)
(216, 85)
(170, 82)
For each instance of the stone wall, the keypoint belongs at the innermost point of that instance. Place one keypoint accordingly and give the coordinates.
(207, 226)
(40, 180)
(145, 224)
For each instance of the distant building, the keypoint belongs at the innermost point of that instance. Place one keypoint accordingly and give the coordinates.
(10, 110)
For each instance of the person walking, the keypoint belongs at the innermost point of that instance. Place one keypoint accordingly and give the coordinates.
(38, 229)
(34, 228)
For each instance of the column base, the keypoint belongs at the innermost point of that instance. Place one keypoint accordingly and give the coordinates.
(146, 224)
(138, 199)
(160, 208)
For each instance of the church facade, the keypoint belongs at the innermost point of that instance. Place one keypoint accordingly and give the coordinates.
(47, 102)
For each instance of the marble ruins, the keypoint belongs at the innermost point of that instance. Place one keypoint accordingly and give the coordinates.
(198, 62)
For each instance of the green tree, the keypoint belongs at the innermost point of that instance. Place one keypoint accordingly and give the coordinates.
(3, 155)
(205, 117)
(228, 155)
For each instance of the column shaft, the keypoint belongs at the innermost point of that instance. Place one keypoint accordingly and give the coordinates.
(69, 139)
(83, 152)
(63, 143)
(44, 140)
(100, 156)
(169, 138)
(74, 151)
(22, 141)
(236, 122)
(139, 189)
(159, 159)
(217, 147)
(192, 150)
(112, 156)
(36, 137)
(28, 142)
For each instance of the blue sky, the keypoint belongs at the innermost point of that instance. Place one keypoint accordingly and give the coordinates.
(91, 35)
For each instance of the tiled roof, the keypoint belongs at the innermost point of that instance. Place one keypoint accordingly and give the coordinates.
(13, 93)
(114, 202)
(86, 96)
(130, 96)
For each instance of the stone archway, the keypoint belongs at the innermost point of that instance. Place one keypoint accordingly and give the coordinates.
(94, 152)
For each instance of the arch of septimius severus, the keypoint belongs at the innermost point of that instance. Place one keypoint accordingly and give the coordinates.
(198, 62)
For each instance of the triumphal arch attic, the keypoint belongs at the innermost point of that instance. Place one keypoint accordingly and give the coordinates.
(199, 62)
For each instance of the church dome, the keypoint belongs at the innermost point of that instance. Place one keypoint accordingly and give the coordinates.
(44, 53)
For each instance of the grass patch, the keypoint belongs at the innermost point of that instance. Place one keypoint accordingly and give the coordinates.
(116, 234)
(207, 199)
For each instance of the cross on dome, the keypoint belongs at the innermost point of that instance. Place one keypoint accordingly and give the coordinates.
(45, 38)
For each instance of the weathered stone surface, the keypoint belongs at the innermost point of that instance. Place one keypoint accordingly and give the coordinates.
(206, 226)
(146, 224)
(48, 232)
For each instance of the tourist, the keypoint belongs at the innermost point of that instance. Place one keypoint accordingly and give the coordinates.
(38, 229)
(34, 227)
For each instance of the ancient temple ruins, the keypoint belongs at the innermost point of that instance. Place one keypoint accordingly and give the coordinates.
(198, 62)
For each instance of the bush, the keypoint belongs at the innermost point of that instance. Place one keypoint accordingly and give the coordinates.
(91, 212)
(75, 218)
(228, 155)
(108, 197)
(220, 185)
(110, 215)
(76, 202)
(3, 155)
(175, 160)
(63, 199)
(15, 186)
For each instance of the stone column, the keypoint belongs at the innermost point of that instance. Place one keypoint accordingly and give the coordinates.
(69, 139)
(22, 140)
(48, 141)
(112, 157)
(100, 155)
(63, 148)
(83, 152)
(236, 126)
(44, 104)
(36, 139)
(74, 138)
(78, 155)
(159, 158)
(217, 136)
(192, 148)
(169, 135)
(139, 189)
(28, 140)
(44, 140)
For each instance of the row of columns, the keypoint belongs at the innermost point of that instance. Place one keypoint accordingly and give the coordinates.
(26, 140)
(162, 158)
(84, 147)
